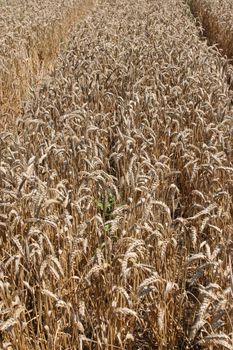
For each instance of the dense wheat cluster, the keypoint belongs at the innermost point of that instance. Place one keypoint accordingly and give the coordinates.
(216, 17)
(116, 188)
(31, 32)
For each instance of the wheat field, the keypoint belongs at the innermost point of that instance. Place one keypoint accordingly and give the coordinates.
(216, 18)
(116, 186)
(31, 35)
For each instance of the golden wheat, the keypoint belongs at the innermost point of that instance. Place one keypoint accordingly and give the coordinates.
(116, 190)
(32, 33)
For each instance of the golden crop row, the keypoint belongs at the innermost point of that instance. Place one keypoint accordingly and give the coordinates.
(31, 33)
(116, 191)
(216, 17)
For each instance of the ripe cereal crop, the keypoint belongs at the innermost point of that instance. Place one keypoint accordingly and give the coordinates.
(216, 18)
(31, 35)
(116, 186)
